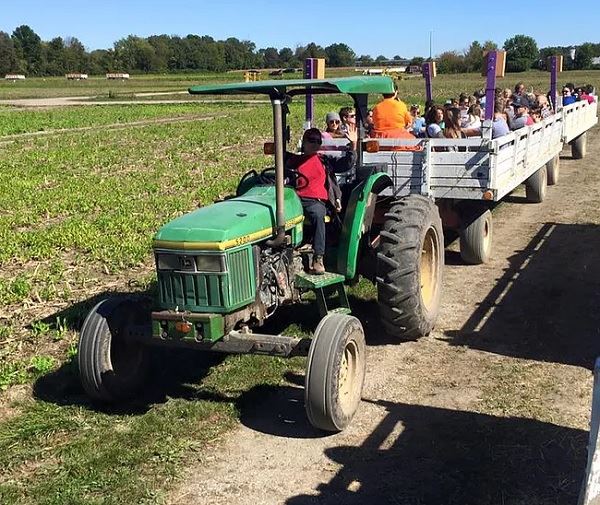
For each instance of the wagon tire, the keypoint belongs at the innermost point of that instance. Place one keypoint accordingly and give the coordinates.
(335, 372)
(410, 262)
(553, 170)
(579, 147)
(476, 238)
(536, 185)
(111, 366)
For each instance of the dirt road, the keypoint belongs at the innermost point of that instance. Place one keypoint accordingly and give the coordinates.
(491, 408)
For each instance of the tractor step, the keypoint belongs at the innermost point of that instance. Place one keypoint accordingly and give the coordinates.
(311, 281)
(333, 283)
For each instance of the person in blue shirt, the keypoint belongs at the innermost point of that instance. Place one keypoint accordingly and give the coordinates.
(567, 96)
(418, 124)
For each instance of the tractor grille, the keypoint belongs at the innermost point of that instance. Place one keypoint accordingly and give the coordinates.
(241, 275)
(190, 291)
(207, 291)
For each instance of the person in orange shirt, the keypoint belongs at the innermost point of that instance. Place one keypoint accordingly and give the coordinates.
(391, 118)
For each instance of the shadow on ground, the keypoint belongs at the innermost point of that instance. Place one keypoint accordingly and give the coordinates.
(425, 455)
(546, 304)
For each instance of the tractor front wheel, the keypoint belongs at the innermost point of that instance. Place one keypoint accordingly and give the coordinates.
(111, 366)
(410, 262)
(335, 372)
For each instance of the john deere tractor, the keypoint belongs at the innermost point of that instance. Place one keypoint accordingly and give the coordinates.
(224, 269)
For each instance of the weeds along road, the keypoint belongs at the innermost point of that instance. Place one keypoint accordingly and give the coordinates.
(491, 408)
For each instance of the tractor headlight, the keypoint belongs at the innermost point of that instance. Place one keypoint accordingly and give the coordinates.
(190, 263)
(210, 263)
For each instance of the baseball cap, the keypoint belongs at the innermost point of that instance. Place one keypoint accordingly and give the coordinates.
(520, 101)
(332, 116)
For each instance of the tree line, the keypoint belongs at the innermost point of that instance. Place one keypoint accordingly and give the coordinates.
(24, 52)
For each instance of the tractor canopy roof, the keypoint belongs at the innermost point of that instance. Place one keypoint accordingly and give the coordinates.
(279, 88)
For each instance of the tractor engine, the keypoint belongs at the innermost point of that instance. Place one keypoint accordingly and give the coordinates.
(277, 269)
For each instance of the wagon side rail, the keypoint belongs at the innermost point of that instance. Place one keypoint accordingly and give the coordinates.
(578, 118)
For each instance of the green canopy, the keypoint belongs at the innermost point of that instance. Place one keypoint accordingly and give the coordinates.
(274, 88)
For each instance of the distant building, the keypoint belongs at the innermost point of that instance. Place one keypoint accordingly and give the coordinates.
(117, 75)
(14, 77)
(76, 77)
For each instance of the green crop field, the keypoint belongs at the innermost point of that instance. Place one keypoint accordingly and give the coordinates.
(78, 208)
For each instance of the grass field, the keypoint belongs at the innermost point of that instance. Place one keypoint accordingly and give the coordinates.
(78, 209)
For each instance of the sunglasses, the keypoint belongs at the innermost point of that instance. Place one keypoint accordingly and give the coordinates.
(334, 121)
(351, 115)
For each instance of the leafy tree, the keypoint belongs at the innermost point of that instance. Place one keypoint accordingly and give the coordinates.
(55, 56)
(521, 53)
(312, 50)
(270, 57)
(76, 58)
(365, 59)
(9, 61)
(417, 60)
(287, 58)
(583, 56)
(134, 53)
(101, 61)
(450, 62)
(29, 47)
(381, 59)
(162, 51)
(340, 55)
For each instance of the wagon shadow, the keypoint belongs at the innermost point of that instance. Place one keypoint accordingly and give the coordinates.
(427, 455)
(545, 305)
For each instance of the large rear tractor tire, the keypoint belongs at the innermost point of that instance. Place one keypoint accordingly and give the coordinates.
(579, 147)
(553, 170)
(335, 372)
(476, 238)
(536, 185)
(111, 366)
(410, 263)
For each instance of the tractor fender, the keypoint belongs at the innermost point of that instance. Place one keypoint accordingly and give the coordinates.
(357, 221)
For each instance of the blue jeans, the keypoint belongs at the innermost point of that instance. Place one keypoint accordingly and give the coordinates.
(316, 210)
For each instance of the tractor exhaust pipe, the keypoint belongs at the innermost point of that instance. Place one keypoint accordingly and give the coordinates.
(279, 238)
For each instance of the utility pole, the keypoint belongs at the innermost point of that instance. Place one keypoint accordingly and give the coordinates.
(430, 44)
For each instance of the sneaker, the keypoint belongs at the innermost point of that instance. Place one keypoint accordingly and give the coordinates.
(317, 265)
(305, 248)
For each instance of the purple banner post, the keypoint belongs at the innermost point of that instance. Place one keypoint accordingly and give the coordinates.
(426, 69)
(310, 70)
(490, 86)
(553, 81)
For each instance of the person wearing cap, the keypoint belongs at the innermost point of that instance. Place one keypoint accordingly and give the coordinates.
(332, 128)
(391, 118)
(314, 184)
(520, 116)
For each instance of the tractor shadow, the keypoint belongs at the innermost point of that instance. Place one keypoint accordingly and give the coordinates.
(175, 372)
(545, 305)
(426, 455)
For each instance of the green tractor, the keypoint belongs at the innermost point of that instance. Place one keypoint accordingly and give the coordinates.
(224, 269)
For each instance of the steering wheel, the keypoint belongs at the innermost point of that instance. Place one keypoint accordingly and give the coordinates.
(291, 177)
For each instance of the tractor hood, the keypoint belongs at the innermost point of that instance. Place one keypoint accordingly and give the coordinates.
(230, 223)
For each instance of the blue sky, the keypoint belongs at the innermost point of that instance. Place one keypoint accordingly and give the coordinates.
(384, 27)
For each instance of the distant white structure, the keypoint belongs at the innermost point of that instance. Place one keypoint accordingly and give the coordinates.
(14, 77)
(373, 71)
(596, 60)
(76, 77)
(117, 75)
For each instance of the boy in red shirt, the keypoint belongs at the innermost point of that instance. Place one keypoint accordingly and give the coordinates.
(311, 187)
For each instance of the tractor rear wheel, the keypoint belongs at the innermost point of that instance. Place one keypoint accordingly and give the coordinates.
(476, 238)
(410, 262)
(553, 170)
(536, 185)
(335, 372)
(111, 366)
(579, 147)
